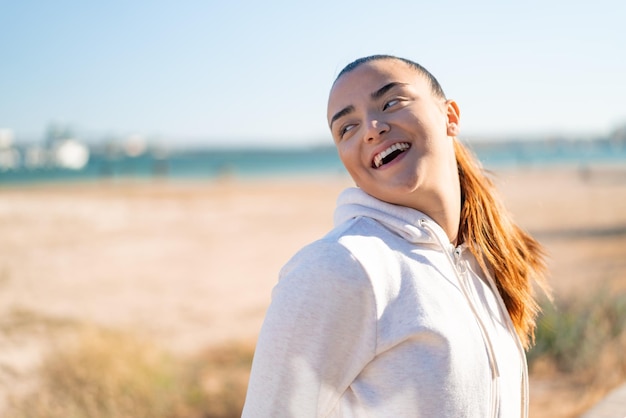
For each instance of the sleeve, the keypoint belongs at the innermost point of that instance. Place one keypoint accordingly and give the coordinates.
(319, 333)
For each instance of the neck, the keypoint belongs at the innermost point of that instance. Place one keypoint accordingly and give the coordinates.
(444, 207)
(448, 220)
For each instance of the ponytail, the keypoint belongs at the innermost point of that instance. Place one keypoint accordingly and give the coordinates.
(513, 257)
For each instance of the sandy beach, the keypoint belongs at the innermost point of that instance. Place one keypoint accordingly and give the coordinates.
(191, 264)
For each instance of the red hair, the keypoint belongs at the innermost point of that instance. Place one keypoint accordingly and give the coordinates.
(514, 258)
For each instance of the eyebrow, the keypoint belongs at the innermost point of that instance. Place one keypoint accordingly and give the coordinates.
(343, 112)
(384, 89)
(375, 95)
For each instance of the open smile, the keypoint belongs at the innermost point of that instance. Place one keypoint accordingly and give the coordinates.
(389, 154)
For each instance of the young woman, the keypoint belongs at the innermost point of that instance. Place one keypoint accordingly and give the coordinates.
(419, 303)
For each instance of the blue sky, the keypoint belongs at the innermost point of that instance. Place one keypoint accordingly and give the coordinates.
(238, 72)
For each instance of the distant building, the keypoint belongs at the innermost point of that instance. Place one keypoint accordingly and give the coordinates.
(9, 156)
(70, 154)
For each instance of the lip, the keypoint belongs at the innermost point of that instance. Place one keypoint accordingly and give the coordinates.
(383, 147)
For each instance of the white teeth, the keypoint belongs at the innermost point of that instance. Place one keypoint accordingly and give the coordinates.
(378, 159)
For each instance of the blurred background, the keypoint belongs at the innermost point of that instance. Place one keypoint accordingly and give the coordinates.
(159, 162)
(83, 85)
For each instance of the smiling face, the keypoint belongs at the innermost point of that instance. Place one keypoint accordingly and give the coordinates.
(394, 136)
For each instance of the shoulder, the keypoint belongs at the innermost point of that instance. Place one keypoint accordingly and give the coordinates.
(354, 258)
(324, 262)
(343, 250)
(322, 284)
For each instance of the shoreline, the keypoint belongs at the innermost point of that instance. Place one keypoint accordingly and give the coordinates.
(601, 169)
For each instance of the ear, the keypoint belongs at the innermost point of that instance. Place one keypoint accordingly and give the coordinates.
(454, 116)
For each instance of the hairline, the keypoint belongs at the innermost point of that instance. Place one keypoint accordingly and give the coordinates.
(435, 87)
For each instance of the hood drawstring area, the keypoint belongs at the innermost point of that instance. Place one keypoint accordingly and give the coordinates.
(518, 342)
(459, 266)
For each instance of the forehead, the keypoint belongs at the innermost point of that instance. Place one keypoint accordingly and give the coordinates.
(357, 85)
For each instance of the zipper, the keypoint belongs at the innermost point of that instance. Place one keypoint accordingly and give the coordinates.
(518, 343)
(459, 267)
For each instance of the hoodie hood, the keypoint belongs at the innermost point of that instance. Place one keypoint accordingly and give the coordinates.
(411, 224)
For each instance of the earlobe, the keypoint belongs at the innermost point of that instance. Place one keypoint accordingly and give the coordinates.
(453, 129)
(454, 116)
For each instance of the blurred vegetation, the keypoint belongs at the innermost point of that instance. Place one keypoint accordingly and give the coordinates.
(106, 374)
(584, 337)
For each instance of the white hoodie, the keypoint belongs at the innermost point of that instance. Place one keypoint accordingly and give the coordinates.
(383, 317)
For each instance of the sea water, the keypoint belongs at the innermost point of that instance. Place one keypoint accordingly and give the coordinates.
(207, 163)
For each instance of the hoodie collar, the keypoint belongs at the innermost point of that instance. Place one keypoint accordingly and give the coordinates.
(411, 224)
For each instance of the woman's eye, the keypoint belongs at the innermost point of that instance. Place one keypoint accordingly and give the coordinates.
(345, 130)
(391, 103)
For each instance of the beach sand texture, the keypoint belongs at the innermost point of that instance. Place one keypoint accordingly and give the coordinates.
(191, 265)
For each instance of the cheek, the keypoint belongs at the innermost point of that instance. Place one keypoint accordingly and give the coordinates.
(351, 163)
(347, 154)
(351, 168)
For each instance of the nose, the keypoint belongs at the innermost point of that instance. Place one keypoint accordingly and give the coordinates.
(375, 129)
